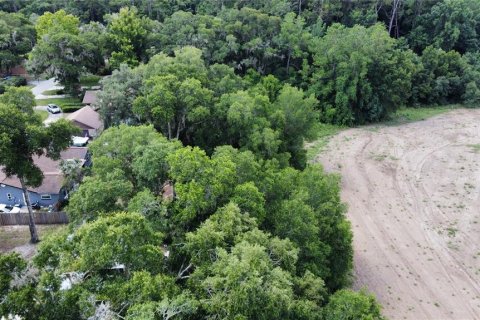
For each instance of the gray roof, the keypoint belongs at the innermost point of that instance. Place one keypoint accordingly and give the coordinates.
(87, 117)
(90, 97)
(53, 176)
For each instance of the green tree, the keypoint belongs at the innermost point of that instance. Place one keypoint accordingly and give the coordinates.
(22, 98)
(11, 267)
(449, 25)
(246, 284)
(58, 22)
(362, 78)
(348, 304)
(173, 106)
(124, 238)
(293, 38)
(63, 56)
(440, 77)
(17, 37)
(115, 101)
(127, 35)
(96, 195)
(23, 136)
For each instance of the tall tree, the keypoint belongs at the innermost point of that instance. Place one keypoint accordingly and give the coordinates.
(17, 37)
(58, 22)
(63, 56)
(23, 137)
(127, 34)
(360, 74)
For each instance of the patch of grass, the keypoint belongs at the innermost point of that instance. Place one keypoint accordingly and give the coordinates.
(43, 114)
(416, 114)
(14, 236)
(90, 80)
(379, 157)
(475, 147)
(323, 133)
(61, 102)
(451, 231)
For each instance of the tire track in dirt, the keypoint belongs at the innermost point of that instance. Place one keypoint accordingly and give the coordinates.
(414, 202)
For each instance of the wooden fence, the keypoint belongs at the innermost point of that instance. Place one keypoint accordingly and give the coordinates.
(10, 219)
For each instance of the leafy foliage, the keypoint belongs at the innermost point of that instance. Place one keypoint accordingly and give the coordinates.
(17, 37)
(200, 202)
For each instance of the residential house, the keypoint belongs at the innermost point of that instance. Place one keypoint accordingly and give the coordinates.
(88, 120)
(51, 192)
(90, 97)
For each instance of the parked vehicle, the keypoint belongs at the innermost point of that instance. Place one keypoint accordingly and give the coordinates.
(6, 208)
(53, 108)
(79, 141)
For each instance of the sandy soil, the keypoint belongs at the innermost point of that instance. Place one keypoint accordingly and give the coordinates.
(413, 192)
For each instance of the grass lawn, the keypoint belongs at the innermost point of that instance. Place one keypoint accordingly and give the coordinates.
(89, 80)
(61, 102)
(43, 114)
(14, 236)
(416, 114)
(323, 134)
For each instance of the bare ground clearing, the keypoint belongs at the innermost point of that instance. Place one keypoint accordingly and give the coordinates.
(17, 238)
(413, 192)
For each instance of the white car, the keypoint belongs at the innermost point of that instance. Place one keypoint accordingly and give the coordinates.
(6, 208)
(53, 108)
(79, 141)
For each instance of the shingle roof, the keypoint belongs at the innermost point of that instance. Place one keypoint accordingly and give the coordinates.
(90, 97)
(53, 177)
(86, 116)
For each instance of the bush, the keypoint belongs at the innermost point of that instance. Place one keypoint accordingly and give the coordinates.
(69, 108)
(15, 81)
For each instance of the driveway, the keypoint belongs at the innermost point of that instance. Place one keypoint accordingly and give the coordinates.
(40, 86)
(51, 117)
(44, 85)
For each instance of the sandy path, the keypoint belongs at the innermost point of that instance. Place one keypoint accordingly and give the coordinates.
(414, 202)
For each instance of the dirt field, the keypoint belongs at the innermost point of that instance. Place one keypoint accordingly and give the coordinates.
(413, 192)
(16, 238)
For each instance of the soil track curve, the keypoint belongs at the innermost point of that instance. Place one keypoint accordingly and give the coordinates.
(413, 193)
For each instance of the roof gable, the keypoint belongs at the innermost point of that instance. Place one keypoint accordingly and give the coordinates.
(87, 117)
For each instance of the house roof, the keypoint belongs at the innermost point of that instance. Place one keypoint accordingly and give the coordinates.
(53, 176)
(90, 97)
(87, 117)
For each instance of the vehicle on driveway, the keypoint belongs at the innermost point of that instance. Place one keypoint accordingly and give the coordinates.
(53, 108)
(6, 208)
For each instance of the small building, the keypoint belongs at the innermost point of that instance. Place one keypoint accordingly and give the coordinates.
(90, 97)
(88, 120)
(51, 192)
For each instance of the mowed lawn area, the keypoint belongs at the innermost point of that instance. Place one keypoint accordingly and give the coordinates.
(59, 101)
(43, 114)
(14, 236)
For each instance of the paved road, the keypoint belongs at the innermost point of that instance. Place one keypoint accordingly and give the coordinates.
(44, 85)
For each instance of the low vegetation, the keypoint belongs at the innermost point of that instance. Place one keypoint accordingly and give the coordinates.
(42, 113)
(421, 113)
(15, 236)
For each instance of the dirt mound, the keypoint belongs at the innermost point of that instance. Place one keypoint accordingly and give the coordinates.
(413, 192)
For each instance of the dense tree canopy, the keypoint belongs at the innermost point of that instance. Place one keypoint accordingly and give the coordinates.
(17, 37)
(200, 202)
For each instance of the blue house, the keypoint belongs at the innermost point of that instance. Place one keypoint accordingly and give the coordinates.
(51, 192)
